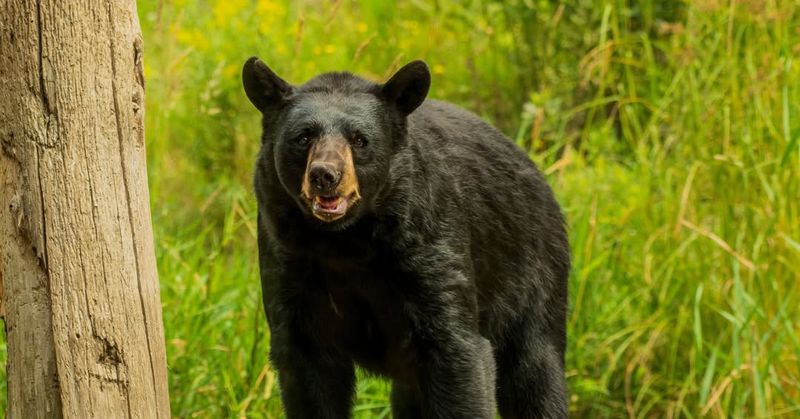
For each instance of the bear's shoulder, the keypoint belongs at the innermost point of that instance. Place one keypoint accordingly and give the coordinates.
(457, 132)
(452, 121)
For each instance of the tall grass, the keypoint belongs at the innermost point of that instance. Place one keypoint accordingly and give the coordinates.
(669, 131)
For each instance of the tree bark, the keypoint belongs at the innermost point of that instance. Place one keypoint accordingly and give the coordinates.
(80, 289)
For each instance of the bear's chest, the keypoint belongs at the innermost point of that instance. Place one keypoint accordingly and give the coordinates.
(361, 313)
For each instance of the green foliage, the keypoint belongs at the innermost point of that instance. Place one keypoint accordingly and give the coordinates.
(669, 131)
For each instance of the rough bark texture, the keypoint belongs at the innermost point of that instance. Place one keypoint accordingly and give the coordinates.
(77, 264)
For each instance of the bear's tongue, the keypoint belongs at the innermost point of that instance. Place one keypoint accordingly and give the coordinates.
(329, 204)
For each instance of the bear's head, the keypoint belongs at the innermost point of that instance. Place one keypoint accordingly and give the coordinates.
(332, 139)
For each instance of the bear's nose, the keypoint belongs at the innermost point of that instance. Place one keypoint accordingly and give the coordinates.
(323, 177)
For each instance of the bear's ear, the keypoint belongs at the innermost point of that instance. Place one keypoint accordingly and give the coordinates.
(408, 87)
(263, 87)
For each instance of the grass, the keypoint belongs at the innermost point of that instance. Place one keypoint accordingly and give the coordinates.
(669, 132)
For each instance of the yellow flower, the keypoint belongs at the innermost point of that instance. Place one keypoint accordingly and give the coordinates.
(192, 38)
(230, 71)
(282, 48)
(270, 8)
(267, 14)
(438, 69)
(361, 27)
(329, 49)
(224, 10)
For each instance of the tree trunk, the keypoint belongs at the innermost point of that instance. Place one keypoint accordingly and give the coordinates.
(79, 283)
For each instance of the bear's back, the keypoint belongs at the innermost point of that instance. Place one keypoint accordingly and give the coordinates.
(516, 230)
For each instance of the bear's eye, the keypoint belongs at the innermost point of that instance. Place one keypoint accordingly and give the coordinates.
(304, 140)
(359, 141)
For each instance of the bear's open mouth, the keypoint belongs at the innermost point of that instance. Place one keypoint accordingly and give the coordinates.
(330, 207)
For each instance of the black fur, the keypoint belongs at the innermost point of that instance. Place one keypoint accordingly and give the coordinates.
(449, 277)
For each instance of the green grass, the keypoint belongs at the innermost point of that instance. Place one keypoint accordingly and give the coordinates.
(669, 133)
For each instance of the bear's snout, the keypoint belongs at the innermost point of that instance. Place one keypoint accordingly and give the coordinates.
(330, 186)
(324, 177)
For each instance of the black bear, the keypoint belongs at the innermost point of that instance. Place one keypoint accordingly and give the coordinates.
(411, 238)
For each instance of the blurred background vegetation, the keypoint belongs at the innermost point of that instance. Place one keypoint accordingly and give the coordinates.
(669, 130)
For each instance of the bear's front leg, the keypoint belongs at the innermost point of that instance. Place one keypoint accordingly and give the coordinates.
(457, 378)
(315, 380)
(456, 366)
(313, 384)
